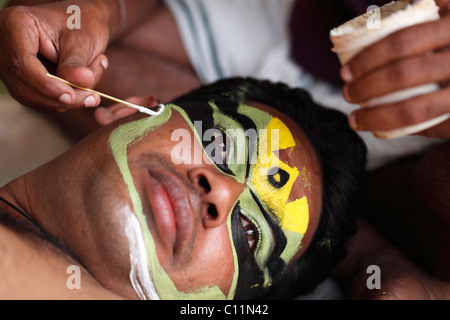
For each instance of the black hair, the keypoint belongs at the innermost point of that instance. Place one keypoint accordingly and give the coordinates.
(342, 157)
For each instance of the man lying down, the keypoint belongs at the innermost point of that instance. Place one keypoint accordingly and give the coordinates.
(242, 189)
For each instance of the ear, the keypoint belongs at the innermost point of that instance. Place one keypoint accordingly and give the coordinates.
(106, 115)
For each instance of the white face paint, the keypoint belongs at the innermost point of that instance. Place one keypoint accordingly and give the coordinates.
(139, 274)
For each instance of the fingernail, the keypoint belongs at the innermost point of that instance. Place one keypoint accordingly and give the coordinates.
(346, 74)
(65, 98)
(104, 63)
(346, 94)
(352, 122)
(108, 114)
(89, 102)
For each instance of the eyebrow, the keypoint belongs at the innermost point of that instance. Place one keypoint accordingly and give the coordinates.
(246, 124)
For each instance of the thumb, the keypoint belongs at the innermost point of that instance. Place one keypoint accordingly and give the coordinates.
(76, 66)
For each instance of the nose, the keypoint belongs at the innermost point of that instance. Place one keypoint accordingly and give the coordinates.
(218, 193)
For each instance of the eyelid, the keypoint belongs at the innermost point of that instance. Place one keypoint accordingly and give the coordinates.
(267, 241)
(265, 234)
(258, 231)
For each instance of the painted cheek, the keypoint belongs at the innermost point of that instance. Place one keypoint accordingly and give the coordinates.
(274, 188)
(275, 194)
(120, 139)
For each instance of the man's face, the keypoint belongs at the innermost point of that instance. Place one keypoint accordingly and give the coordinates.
(215, 203)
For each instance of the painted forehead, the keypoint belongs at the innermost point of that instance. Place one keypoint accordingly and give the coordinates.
(255, 140)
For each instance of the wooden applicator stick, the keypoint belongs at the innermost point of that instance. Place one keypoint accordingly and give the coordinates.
(131, 105)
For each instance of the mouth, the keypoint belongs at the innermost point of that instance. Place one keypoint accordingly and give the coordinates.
(169, 201)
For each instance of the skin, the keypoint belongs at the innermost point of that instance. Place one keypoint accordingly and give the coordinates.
(42, 30)
(155, 46)
(400, 61)
(147, 51)
(89, 220)
(412, 193)
(401, 278)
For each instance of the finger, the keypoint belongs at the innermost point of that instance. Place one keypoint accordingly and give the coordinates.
(402, 74)
(32, 87)
(440, 131)
(104, 116)
(22, 50)
(76, 68)
(98, 68)
(407, 42)
(74, 61)
(34, 76)
(40, 98)
(85, 99)
(443, 5)
(34, 99)
(393, 116)
(150, 101)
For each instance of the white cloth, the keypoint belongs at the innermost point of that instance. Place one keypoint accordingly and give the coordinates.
(226, 38)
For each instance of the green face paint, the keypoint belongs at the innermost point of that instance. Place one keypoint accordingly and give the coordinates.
(293, 216)
(120, 139)
(267, 208)
(264, 203)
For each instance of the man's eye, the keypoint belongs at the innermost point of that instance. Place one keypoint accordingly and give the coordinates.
(251, 233)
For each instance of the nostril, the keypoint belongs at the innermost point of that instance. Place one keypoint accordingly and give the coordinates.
(212, 211)
(203, 182)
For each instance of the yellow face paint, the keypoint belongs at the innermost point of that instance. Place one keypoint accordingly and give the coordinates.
(269, 186)
(273, 180)
(265, 201)
(293, 216)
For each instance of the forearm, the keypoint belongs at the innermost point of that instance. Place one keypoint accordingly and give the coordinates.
(129, 13)
(120, 14)
(391, 276)
(409, 202)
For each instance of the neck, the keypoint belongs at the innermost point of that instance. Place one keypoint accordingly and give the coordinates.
(30, 198)
(15, 207)
(14, 193)
(30, 204)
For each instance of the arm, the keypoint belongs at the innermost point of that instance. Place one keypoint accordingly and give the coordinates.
(39, 35)
(399, 278)
(134, 11)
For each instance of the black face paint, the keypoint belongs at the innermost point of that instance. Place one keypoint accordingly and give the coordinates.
(251, 279)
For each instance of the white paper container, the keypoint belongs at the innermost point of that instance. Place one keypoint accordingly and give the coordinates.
(353, 36)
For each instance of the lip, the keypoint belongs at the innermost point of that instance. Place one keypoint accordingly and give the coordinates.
(171, 208)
